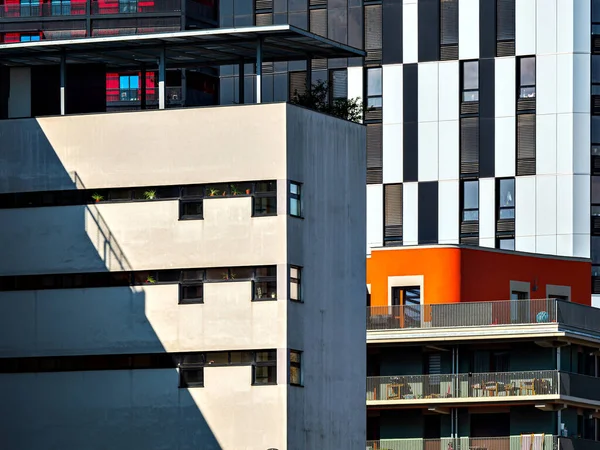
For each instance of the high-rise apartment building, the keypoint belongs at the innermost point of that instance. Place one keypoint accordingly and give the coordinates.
(189, 278)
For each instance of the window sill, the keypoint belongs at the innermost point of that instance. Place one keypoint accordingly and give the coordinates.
(265, 384)
(296, 217)
(191, 218)
(264, 215)
(269, 299)
(297, 385)
(191, 302)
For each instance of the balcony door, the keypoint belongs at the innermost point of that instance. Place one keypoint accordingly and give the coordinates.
(407, 303)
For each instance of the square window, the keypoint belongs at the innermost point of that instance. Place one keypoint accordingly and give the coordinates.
(190, 209)
(295, 293)
(506, 244)
(295, 199)
(264, 206)
(470, 200)
(295, 367)
(191, 377)
(264, 375)
(265, 290)
(191, 293)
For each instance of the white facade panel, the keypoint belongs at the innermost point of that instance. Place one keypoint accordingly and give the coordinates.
(410, 33)
(545, 84)
(428, 92)
(448, 90)
(392, 153)
(505, 146)
(525, 27)
(545, 205)
(392, 93)
(564, 245)
(564, 81)
(487, 242)
(448, 212)
(487, 208)
(545, 245)
(374, 215)
(564, 200)
(581, 25)
(505, 87)
(581, 204)
(581, 83)
(468, 29)
(428, 151)
(564, 143)
(19, 97)
(565, 34)
(581, 143)
(410, 213)
(581, 245)
(545, 148)
(525, 210)
(448, 150)
(546, 27)
(525, 244)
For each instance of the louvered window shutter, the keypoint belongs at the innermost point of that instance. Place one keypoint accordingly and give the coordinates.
(374, 154)
(393, 212)
(318, 21)
(469, 146)
(297, 83)
(448, 29)
(526, 144)
(373, 34)
(505, 27)
(339, 84)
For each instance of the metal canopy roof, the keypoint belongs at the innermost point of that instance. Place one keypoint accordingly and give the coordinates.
(210, 47)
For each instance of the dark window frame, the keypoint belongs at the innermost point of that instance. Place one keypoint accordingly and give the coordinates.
(269, 195)
(333, 85)
(377, 97)
(526, 86)
(296, 197)
(190, 201)
(297, 280)
(393, 232)
(298, 365)
(462, 200)
(269, 281)
(474, 92)
(270, 364)
(499, 207)
(505, 238)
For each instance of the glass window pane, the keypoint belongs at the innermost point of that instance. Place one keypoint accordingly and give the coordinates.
(188, 275)
(527, 71)
(265, 290)
(295, 375)
(507, 213)
(294, 290)
(374, 82)
(595, 129)
(596, 249)
(471, 215)
(266, 186)
(294, 207)
(266, 271)
(191, 292)
(192, 378)
(241, 357)
(217, 358)
(294, 188)
(595, 10)
(471, 96)
(295, 357)
(471, 75)
(595, 68)
(265, 206)
(192, 209)
(596, 189)
(191, 358)
(375, 102)
(242, 273)
(265, 374)
(507, 244)
(266, 356)
(294, 272)
(596, 211)
(217, 274)
(471, 194)
(595, 29)
(507, 193)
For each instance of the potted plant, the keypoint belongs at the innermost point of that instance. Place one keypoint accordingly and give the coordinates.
(150, 195)
(235, 190)
(97, 197)
(150, 279)
(212, 192)
(248, 191)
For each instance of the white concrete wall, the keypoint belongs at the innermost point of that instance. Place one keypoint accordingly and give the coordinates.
(329, 243)
(140, 409)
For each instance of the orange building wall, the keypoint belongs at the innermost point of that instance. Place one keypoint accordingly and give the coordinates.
(454, 274)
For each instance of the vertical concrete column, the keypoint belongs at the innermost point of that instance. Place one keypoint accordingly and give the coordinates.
(162, 78)
(259, 58)
(63, 83)
(241, 84)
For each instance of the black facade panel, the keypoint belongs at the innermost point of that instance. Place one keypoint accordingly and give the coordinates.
(410, 126)
(4, 91)
(45, 90)
(86, 88)
(487, 28)
(392, 32)
(428, 212)
(487, 107)
(355, 32)
(429, 30)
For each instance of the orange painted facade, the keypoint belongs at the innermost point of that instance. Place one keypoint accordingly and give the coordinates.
(458, 274)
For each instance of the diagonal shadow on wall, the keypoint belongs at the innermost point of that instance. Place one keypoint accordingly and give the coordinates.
(126, 409)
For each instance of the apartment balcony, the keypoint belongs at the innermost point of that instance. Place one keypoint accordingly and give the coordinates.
(522, 442)
(499, 387)
(523, 318)
(132, 97)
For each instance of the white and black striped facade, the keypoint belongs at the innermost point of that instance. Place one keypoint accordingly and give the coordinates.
(485, 130)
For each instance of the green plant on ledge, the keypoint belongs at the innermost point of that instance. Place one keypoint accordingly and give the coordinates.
(235, 190)
(150, 195)
(151, 280)
(212, 192)
(97, 197)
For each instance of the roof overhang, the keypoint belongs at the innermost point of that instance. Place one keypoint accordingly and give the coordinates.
(201, 48)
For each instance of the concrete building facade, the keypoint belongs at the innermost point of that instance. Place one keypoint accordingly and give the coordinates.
(170, 285)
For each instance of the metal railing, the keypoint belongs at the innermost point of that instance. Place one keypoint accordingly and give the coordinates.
(68, 8)
(529, 441)
(477, 314)
(134, 7)
(173, 95)
(406, 388)
(32, 9)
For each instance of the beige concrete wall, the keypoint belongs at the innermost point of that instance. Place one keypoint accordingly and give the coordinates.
(144, 148)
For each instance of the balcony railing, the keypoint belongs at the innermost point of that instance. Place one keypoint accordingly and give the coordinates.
(525, 441)
(117, 95)
(33, 9)
(477, 314)
(408, 388)
(135, 7)
(78, 8)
